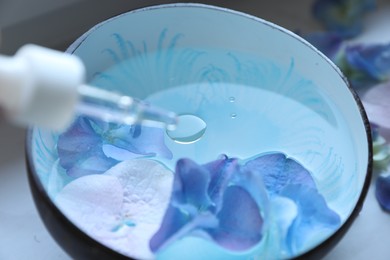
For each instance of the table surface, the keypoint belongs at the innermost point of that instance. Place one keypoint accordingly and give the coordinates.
(24, 236)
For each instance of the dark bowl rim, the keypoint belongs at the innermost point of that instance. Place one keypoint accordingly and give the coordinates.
(314, 253)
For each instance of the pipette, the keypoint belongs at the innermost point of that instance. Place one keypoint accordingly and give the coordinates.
(44, 87)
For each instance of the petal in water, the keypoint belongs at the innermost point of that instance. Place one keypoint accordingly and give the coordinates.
(382, 191)
(314, 217)
(278, 171)
(92, 147)
(240, 222)
(190, 185)
(121, 208)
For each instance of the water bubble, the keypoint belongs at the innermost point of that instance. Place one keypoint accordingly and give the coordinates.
(233, 115)
(189, 129)
(232, 99)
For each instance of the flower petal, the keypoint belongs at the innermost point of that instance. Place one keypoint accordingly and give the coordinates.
(278, 171)
(376, 102)
(191, 184)
(240, 221)
(92, 202)
(382, 191)
(314, 220)
(373, 60)
(220, 171)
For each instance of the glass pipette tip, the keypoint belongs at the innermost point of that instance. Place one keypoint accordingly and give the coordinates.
(116, 108)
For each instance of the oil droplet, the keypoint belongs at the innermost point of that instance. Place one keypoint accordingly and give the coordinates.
(189, 129)
(232, 99)
(233, 115)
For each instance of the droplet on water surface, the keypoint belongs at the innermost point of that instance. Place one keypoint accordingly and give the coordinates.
(189, 129)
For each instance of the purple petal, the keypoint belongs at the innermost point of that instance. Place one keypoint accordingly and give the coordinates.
(328, 43)
(177, 224)
(80, 139)
(221, 172)
(382, 191)
(240, 221)
(190, 184)
(376, 102)
(278, 171)
(174, 220)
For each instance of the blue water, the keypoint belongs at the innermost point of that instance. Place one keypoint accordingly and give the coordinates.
(242, 106)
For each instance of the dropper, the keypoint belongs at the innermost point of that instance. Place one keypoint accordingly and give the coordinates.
(44, 87)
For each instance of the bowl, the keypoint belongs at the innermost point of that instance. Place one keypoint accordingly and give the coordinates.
(272, 158)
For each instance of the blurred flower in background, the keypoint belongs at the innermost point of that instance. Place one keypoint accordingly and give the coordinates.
(367, 68)
(342, 16)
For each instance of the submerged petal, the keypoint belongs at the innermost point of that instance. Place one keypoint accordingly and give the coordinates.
(240, 222)
(191, 184)
(92, 147)
(314, 220)
(278, 171)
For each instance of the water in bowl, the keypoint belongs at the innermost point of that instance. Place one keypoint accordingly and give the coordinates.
(232, 106)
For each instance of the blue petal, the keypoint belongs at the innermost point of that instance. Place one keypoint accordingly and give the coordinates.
(190, 184)
(278, 171)
(221, 172)
(382, 191)
(174, 220)
(314, 216)
(92, 146)
(372, 60)
(79, 150)
(240, 221)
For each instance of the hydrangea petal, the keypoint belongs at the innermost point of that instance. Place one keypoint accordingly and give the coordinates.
(122, 208)
(80, 138)
(92, 202)
(147, 187)
(191, 184)
(92, 146)
(278, 171)
(373, 60)
(376, 102)
(240, 221)
(314, 216)
(140, 140)
(177, 224)
(382, 191)
(220, 172)
(282, 213)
